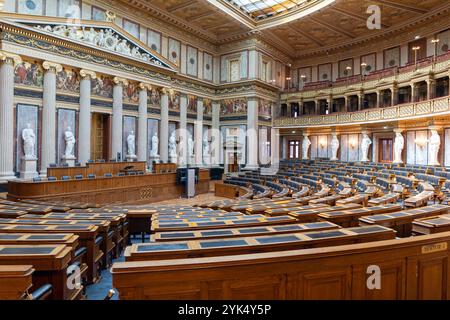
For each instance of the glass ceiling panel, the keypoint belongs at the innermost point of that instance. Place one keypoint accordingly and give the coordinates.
(260, 9)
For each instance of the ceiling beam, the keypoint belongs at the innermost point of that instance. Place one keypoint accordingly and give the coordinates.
(333, 28)
(401, 6)
(181, 6)
(354, 15)
(305, 35)
(221, 24)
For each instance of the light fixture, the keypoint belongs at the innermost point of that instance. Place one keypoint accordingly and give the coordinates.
(415, 48)
(303, 76)
(293, 131)
(435, 40)
(352, 144)
(420, 142)
(417, 37)
(322, 144)
(288, 78)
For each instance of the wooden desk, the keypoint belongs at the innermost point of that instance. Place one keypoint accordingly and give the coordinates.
(164, 167)
(139, 189)
(97, 168)
(15, 281)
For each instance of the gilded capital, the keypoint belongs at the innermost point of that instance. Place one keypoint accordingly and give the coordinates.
(145, 86)
(10, 58)
(120, 81)
(87, 74)
(52, 66)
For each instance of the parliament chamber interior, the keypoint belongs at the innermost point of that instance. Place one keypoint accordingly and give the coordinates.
(224, 150)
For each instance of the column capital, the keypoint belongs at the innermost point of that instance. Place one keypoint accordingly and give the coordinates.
(87, 74)
(10, 58)
(120, 81)
(145, 86)
(435, 127)
(399, 130)
(167, 91)
(52, 67)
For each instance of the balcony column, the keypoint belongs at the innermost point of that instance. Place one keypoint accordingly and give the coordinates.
(301, 110)
(378, 99)
(48, 154)
(7, 63)
(317, 107)
(360, 101)
(346, 107)
(431, 88)
(394, 96)
(84, 135)
(330, 103)
(413, 92)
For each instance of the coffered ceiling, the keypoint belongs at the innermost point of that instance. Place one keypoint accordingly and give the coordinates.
(297, 27)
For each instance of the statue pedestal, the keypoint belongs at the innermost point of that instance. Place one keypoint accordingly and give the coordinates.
(154, 160)
(70, 160)
(131, 157)
(397, 162)
(28, 168)
(334, 159)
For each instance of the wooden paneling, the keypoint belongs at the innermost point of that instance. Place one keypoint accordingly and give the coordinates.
(412, 268)
(97, 168)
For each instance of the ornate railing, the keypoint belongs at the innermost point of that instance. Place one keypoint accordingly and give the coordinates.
(402, 111)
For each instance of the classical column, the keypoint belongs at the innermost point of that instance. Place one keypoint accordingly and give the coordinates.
(48, 154)
(330, 103)
(378, 99)
(7, 62)
(394, 96)
(184, 157)
(346, 107)
(84, 132)
(316, 107)
(360, 101)
(431, 88)
(142, 121)
(252, 133)
(117, 120)
(300, 107)
(198, 134)
(215, 134)
(164, 126)
(413, 92)
(275, 147)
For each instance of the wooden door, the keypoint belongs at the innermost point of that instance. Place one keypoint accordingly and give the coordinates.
(386, 150)
(100, 136)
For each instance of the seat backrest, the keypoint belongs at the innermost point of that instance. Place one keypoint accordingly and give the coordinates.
(53, 165)
(37, 179)
(79, 177)
(108, 175)
(91, 176)
(51, 179)
(65, 178)
(65, 165)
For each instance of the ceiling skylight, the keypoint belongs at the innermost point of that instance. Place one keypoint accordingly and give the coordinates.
(260, 9)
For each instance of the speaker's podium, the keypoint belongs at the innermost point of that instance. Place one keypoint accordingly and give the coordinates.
(188, 177)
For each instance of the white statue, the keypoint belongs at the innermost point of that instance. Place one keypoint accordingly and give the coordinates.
(305, 147)
(155, 145)
(334, 146)
(73, 33)
(399, 144)
(29, 141)
(70, 143)
(205, 146)
(365, 144)
(190, 146)
(434, 145)
(173, 145)
(131, 144)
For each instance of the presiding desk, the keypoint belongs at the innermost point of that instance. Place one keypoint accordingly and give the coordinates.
(105, 190)
(96, 168)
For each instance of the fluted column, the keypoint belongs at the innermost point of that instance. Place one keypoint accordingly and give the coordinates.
(252, 134)
(378, 98)
(431, 88)
(117, 120)
(413, 92)
(198, 134)
(215, 134)
(164, 126)
(7, 61)
(84, 132)
(184, 157)
(142, 121)
(394, 96)
(48, 154)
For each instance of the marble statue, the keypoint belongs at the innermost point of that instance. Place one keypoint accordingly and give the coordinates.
(104, 38)
(190, 145)
(334, 147)
(399, 144)
(206, 152)
(70, 143)
(434, 145)
(365, 144)
(155, 145)
(173, 146)
(29, 142)
(131, 146)
(305, 147)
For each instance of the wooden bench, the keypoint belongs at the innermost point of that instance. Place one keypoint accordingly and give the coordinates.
(220, 247)
(284, 211)
(159, 227)
(359, 198)
(330, 200)
(388, 198)
(15, 282)
(431, 225)
(50, 263)
(350, 218)
(402, 220)
(87, 238)
(419, 200)
(311, 215)
(241, 232)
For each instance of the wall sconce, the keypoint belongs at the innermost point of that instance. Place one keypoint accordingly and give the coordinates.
(421, 142)
(352, 144)
(322, 144)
